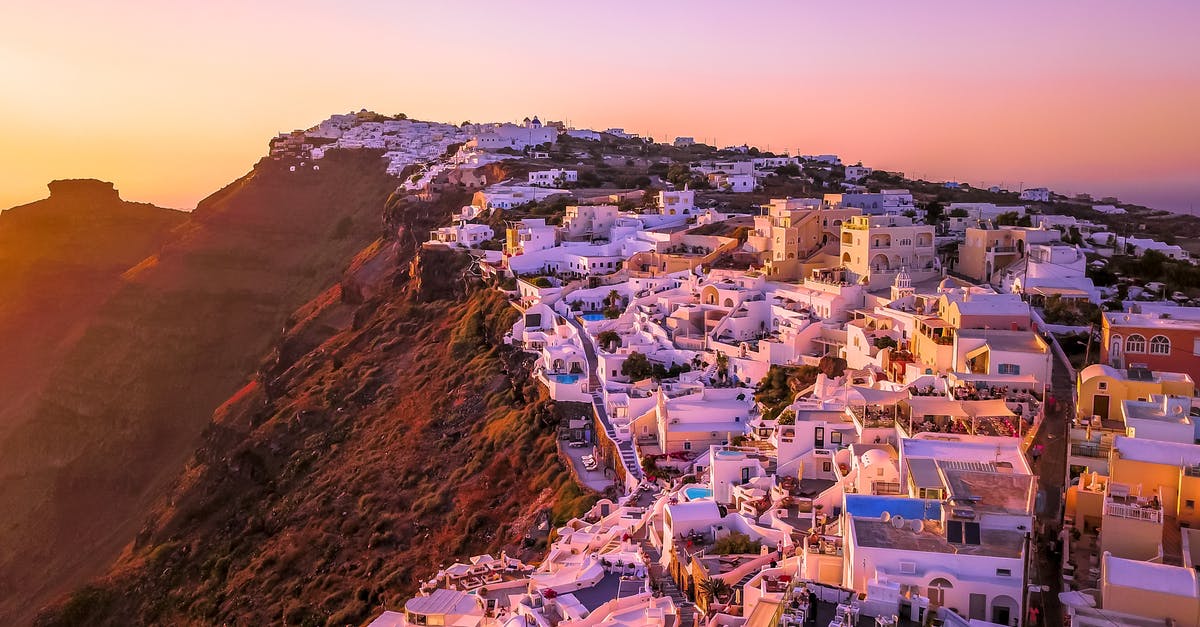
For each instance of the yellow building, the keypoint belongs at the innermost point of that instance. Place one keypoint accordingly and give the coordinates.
(1102, 388)
(876, 248)
(1155, 591)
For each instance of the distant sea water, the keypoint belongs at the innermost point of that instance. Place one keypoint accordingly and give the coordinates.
(1174, 196)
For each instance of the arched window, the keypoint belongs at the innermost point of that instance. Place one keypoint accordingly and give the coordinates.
(1160, 345)
(1135, 344)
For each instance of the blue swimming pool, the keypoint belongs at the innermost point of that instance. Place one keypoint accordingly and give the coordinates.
(566, 379)
(693, 493)
(592, 317)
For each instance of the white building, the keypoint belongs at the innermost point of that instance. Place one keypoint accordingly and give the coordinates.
(681, 202)
(1036, 194)
(857, 172)
(887, 201)
(555, 177)
(463, 234)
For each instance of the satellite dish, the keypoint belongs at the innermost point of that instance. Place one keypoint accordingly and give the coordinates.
(885, 516)
(897, 522)
(916, 526)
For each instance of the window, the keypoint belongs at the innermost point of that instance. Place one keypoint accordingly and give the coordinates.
(971, 533)
(1160, 345)
(827, 466)
(908, 568)
(687, 446)
(835, 437)
(954, 531)
(1008, 369)
(1102, 386)
(1135, 344)
(1003, 572)
(1190, 504)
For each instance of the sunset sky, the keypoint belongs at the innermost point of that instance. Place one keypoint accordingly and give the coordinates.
(170, 100)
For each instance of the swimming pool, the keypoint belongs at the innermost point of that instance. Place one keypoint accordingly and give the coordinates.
(592, 316)
(693, 493)
(566, 379)
(731, 454)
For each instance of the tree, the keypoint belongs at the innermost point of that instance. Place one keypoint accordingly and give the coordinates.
(884, 341)
(637, 367)
(959, 212)
(722, 367)
(607, 340)
(790, 169)
(715, 589)
(933, 212)
(1008, 218)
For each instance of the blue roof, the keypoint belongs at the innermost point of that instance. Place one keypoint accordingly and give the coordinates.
(870, 506)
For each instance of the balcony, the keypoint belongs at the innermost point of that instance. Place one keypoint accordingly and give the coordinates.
(1002, 249)
(1094, 450)
(1147, 512)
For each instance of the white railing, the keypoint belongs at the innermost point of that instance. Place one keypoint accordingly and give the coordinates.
(1134, 512)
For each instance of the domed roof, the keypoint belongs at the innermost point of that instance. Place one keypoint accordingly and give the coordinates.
(874, 456)
(536, 120)
(947, 284)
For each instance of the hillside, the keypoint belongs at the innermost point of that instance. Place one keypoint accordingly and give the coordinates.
(186, 326)
(60, 258)
(389, 430)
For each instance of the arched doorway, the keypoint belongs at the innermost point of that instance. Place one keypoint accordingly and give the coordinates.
(1005, 610)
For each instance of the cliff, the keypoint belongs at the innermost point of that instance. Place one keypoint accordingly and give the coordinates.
(60, 259)
(182, 328)
(388, 430)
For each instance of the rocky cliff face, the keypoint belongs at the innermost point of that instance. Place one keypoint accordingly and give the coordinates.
(184, 327)
(388, 430)
(60, 259)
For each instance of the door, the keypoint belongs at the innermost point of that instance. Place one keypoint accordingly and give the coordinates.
(1001, 615)
(819, 437)
(979, 607)
(1100, 405)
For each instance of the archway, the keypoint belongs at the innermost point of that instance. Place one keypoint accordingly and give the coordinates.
(1004, 610)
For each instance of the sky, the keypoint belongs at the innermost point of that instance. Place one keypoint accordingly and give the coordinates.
(170, 100)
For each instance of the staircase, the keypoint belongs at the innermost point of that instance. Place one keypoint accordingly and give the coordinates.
(687, 609)
(624, 449)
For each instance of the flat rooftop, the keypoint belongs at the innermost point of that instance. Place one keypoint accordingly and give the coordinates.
(1008, 341)
(991, 492)
(875, 533)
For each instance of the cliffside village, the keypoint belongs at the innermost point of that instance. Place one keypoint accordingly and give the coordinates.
(944, 463)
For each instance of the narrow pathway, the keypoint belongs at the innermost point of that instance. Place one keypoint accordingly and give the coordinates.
(625, 449)
(1051, 468)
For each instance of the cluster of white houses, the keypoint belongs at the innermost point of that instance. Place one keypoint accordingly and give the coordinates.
(897, 488)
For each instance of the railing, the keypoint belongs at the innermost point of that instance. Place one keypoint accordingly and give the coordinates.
(1091, 449)
(886, 487)
(1002, 249)
(1191, 471)
(1134, 512)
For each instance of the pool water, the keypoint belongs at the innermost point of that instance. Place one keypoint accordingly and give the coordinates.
(592, 317)
(694, 493)
(566, 379)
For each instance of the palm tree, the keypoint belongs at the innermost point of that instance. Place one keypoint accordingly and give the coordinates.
(722, 367)
(715, 589)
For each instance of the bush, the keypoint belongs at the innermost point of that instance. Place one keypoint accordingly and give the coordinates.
(737, 543)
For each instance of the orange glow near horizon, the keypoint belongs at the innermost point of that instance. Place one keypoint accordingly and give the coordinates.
(172, 102)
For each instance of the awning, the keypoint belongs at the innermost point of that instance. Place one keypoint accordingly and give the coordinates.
(1076, 599)
(1004, 379)
(936, 406)
(1057, 291)
(990, 408)
(873, 396)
